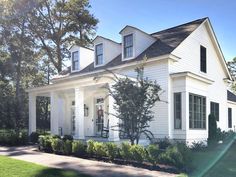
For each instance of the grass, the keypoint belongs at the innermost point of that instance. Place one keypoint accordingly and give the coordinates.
(209, 162)
(226, 166)
(16, 168)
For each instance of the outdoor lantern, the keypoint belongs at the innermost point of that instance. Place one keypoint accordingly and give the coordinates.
(86, 112)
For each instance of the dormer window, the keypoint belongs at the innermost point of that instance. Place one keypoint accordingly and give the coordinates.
(99, 54)
(128, 46)
(75, 61)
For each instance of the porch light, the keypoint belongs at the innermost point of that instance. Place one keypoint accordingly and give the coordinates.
(86, 112)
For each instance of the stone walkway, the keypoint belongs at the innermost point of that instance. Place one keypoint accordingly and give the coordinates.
(89, 167)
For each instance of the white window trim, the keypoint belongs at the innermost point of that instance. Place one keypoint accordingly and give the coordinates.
(134, 42)
(95, 55)
(72, 61)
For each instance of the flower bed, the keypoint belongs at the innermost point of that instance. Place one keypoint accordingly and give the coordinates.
(174, 158)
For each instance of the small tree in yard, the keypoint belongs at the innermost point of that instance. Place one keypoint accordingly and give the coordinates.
(134, 100)
(212, 127)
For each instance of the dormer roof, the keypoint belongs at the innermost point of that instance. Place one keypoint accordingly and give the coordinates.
(106, 39)
(166, 42)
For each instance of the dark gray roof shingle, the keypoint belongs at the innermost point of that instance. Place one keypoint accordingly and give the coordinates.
(167, 41)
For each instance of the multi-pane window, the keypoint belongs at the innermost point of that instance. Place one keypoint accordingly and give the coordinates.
(177, 110)
(229, 117)
(197, 112)
(128, 46)
(203, 59)
(75, 61)
(99, 54)
(215, 110)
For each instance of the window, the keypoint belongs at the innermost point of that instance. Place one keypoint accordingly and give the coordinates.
(197, 112)
(177, 110)
(229, 117)
(99, 54)
(75, 61)
(203, 59)
(128, 46)
(215, 110)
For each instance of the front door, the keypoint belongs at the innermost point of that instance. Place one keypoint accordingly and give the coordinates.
(99, 115)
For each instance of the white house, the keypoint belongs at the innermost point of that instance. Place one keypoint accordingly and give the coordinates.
(186, 61)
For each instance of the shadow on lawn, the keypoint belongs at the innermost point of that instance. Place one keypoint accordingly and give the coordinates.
(53, 172)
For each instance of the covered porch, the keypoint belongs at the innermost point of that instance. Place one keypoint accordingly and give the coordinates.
(82, 108)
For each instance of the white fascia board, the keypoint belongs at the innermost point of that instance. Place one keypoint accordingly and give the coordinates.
(163, 57)
(192, 75)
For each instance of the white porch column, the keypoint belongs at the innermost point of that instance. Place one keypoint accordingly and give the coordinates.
(113, 121)
(54, 113)
(32, 113)
(79, 113)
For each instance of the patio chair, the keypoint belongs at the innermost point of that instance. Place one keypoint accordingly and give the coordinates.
(105, 130)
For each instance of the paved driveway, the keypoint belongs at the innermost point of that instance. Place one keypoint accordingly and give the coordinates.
(93, 168)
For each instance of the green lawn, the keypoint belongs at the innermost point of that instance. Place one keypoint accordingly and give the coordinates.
(226, 167)
(209, 163)
(16, 168)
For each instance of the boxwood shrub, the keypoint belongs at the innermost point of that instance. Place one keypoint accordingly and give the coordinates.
(153, 153)
(111, 150)
(125, 152)
(78, 148)
(177, 155)
(138, 153)
(99, 149)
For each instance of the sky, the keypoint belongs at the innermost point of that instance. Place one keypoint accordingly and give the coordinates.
(155, 15)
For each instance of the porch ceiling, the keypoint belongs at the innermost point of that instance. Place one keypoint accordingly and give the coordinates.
(69, 86)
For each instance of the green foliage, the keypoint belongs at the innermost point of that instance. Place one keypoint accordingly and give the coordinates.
(138, 153)
(67, 147)
(67, 137)
(99, 149)
(164, 143)
(177, 155)
(153, 152)
(198, 146)
(78, 148)
(90, 147)
(125, 151)
(172, 157)
(57, 145)
(56, 25)
(212, 127)
(45, 143)
(133, 103)
(34, 136)
(111, 150)
(13, 138)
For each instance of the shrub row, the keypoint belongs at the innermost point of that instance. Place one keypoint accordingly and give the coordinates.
(13, 138)
(177, 155)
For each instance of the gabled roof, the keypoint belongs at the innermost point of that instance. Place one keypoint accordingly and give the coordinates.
(166, 41)
(231, 96)
(172, 37)
(106, 39)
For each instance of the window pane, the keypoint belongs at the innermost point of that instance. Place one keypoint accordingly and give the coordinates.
(203, 58)
(128, 46)
(75, 60)
(215, 110)
(229, 117)
(197, 111)
(99, 54)
(177, 110)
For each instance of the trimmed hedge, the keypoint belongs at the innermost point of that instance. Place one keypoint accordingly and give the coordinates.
(78, 149)
(177, 155)
(13, 138)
